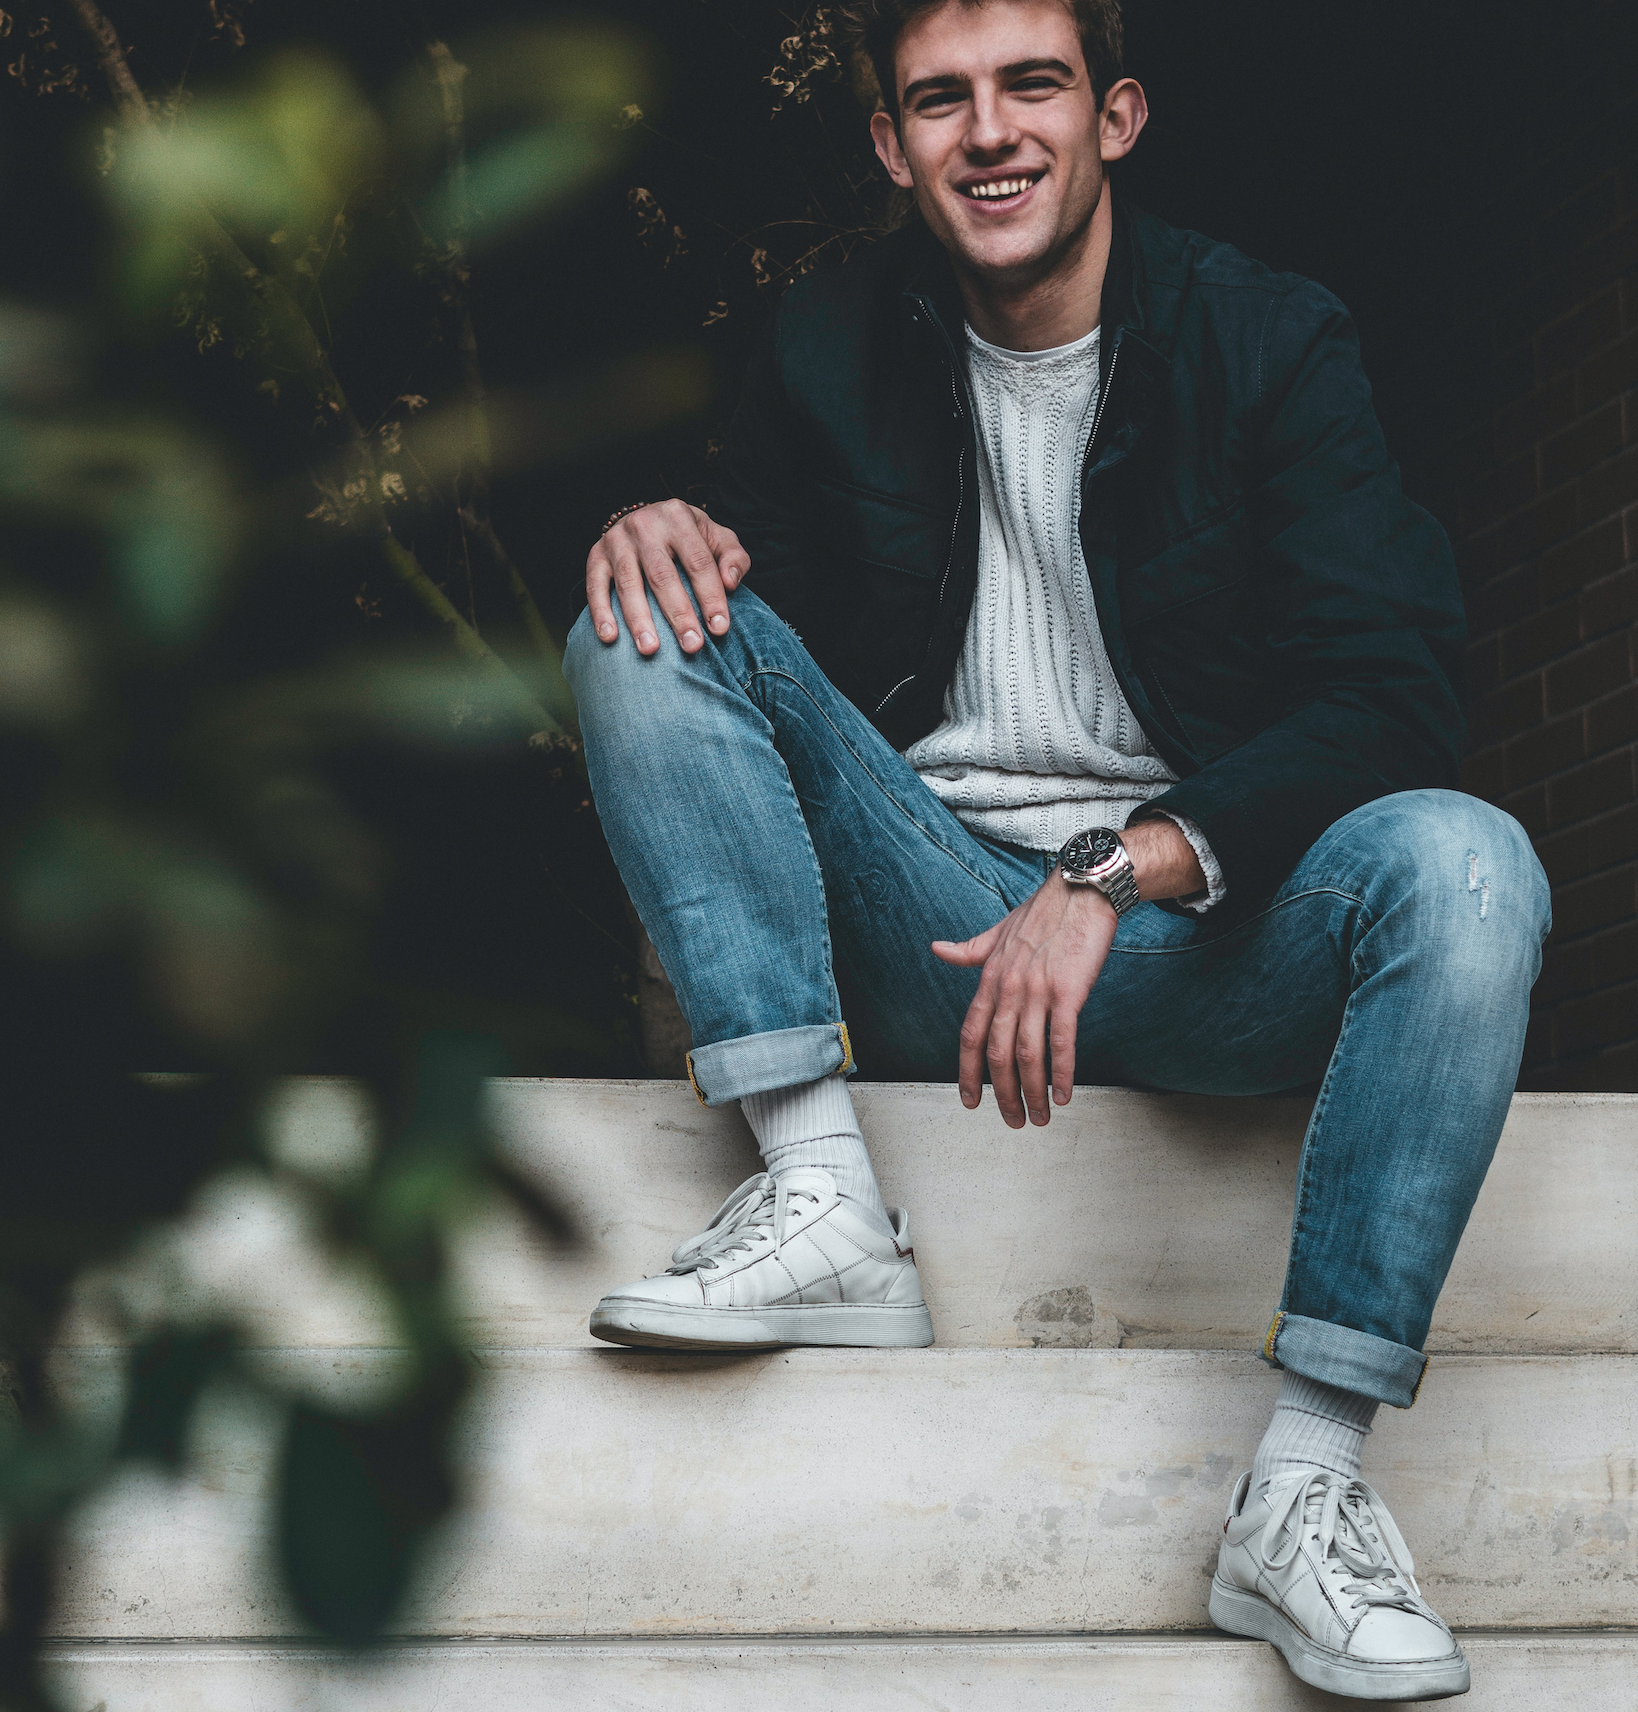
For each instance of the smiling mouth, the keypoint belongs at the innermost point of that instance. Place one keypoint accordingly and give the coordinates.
(1002, 189)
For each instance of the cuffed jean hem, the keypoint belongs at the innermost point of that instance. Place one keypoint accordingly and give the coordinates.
(1338, 1355)
(778, 1058)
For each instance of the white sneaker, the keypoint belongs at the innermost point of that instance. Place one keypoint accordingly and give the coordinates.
(1317, 1566)
(787, 1262)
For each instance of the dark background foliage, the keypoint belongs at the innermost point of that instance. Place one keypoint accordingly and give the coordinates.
(1333, 141)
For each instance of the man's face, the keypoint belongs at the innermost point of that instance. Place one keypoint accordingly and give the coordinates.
(999, 133)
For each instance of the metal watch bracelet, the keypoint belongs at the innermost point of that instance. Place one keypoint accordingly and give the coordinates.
(1098, 858)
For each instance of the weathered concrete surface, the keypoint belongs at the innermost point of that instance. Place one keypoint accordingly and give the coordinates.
(1140, 1220)
(937, 1491)
(1523, 1674)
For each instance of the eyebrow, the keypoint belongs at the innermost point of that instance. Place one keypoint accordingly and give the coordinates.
(955, 80)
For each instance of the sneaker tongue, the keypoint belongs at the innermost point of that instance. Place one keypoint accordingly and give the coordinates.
(808, 1180)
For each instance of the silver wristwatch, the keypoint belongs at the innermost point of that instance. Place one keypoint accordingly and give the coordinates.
(1099, 859)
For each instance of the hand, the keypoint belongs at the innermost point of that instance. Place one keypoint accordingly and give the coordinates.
(1040, 964)
(648, 545)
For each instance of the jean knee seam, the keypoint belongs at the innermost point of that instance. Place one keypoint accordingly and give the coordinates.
(1316, 1121)
(864, 767)
(824, 902)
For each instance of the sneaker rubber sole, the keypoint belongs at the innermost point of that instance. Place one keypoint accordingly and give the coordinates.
(1241, 1613)
(848, 1325)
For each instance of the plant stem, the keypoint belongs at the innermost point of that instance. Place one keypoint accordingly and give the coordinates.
(128, 96)
(309, 356)
(451, 76)
(484, 532)
(468, 643)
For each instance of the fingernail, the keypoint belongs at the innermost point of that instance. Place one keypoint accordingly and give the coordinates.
(691, 639)
(720, 623)
(607, 632)
(645, 638)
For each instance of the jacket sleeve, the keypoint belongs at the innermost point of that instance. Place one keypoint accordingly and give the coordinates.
(761, 492)
(1364, 614)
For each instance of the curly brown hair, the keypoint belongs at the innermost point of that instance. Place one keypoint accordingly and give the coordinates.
(870, 30)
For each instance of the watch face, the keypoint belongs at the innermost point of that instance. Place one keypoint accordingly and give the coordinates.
(1088, 850)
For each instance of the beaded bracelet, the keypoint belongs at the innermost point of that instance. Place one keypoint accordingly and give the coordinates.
(624, 511)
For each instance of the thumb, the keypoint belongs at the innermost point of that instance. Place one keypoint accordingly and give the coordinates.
(966, 953)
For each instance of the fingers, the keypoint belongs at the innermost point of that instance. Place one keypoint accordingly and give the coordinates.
(1001, 1054)
(599, 580)
(965, 953)
(975, 1040)
(1030, 1059)
(631, 590)
(732, 560)
(1065, 1021)
(640, 555)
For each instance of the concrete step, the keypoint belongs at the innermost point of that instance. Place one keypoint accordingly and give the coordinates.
(621, 1493)
(1522, 1673)
(1133, 1220)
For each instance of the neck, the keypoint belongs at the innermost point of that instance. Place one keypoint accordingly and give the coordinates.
(1055, 307)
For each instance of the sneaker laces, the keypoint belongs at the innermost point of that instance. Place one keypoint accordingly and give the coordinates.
(1353, 1526)
(755, 1210)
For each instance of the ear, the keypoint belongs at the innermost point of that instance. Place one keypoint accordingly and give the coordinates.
(1125, 113)
(885, 135)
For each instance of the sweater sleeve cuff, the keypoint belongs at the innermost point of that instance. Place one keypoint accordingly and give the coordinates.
(1216, 890)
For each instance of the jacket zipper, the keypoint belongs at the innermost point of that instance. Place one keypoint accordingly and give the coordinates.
(1086, 467)
(1103, 400)
(961, 492)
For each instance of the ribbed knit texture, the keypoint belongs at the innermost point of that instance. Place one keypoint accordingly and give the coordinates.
(813, 1123)
(1038, 743)
(1315, 1426)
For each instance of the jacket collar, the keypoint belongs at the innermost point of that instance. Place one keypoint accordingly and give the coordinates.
(931, 281)
(1144, 368)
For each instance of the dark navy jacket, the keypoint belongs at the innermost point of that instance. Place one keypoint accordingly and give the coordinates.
(1284, 622)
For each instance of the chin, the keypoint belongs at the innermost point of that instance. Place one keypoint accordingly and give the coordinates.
(1004, 256)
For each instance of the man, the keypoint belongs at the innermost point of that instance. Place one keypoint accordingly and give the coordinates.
(1117, 739)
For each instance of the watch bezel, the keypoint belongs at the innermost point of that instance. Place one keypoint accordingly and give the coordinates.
(1076, 861)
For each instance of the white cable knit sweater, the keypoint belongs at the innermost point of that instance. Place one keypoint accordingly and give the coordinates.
(1038, 743)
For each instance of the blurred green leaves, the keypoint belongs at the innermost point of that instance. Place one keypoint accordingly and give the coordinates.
(183, 859)
(279, 162)
(281, 155)
(165, 501)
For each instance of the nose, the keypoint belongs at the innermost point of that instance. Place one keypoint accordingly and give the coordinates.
(990, 132)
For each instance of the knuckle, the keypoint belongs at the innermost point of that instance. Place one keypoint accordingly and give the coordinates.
(996, 1053)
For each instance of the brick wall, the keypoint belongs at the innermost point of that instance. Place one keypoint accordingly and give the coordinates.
(1538, 478)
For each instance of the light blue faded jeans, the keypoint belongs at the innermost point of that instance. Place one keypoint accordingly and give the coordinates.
(764, 828)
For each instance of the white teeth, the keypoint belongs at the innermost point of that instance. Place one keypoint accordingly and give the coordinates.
(999, 188)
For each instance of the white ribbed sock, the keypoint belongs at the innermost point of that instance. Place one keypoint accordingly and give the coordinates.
(813, 1123)
(1315, 1426)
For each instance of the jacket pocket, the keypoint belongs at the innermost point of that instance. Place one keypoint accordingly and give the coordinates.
(1197, 567)
(877, 529)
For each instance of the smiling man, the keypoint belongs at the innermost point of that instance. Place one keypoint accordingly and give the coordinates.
(1061, 661)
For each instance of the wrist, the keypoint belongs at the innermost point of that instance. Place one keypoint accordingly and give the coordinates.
(1163, 860)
